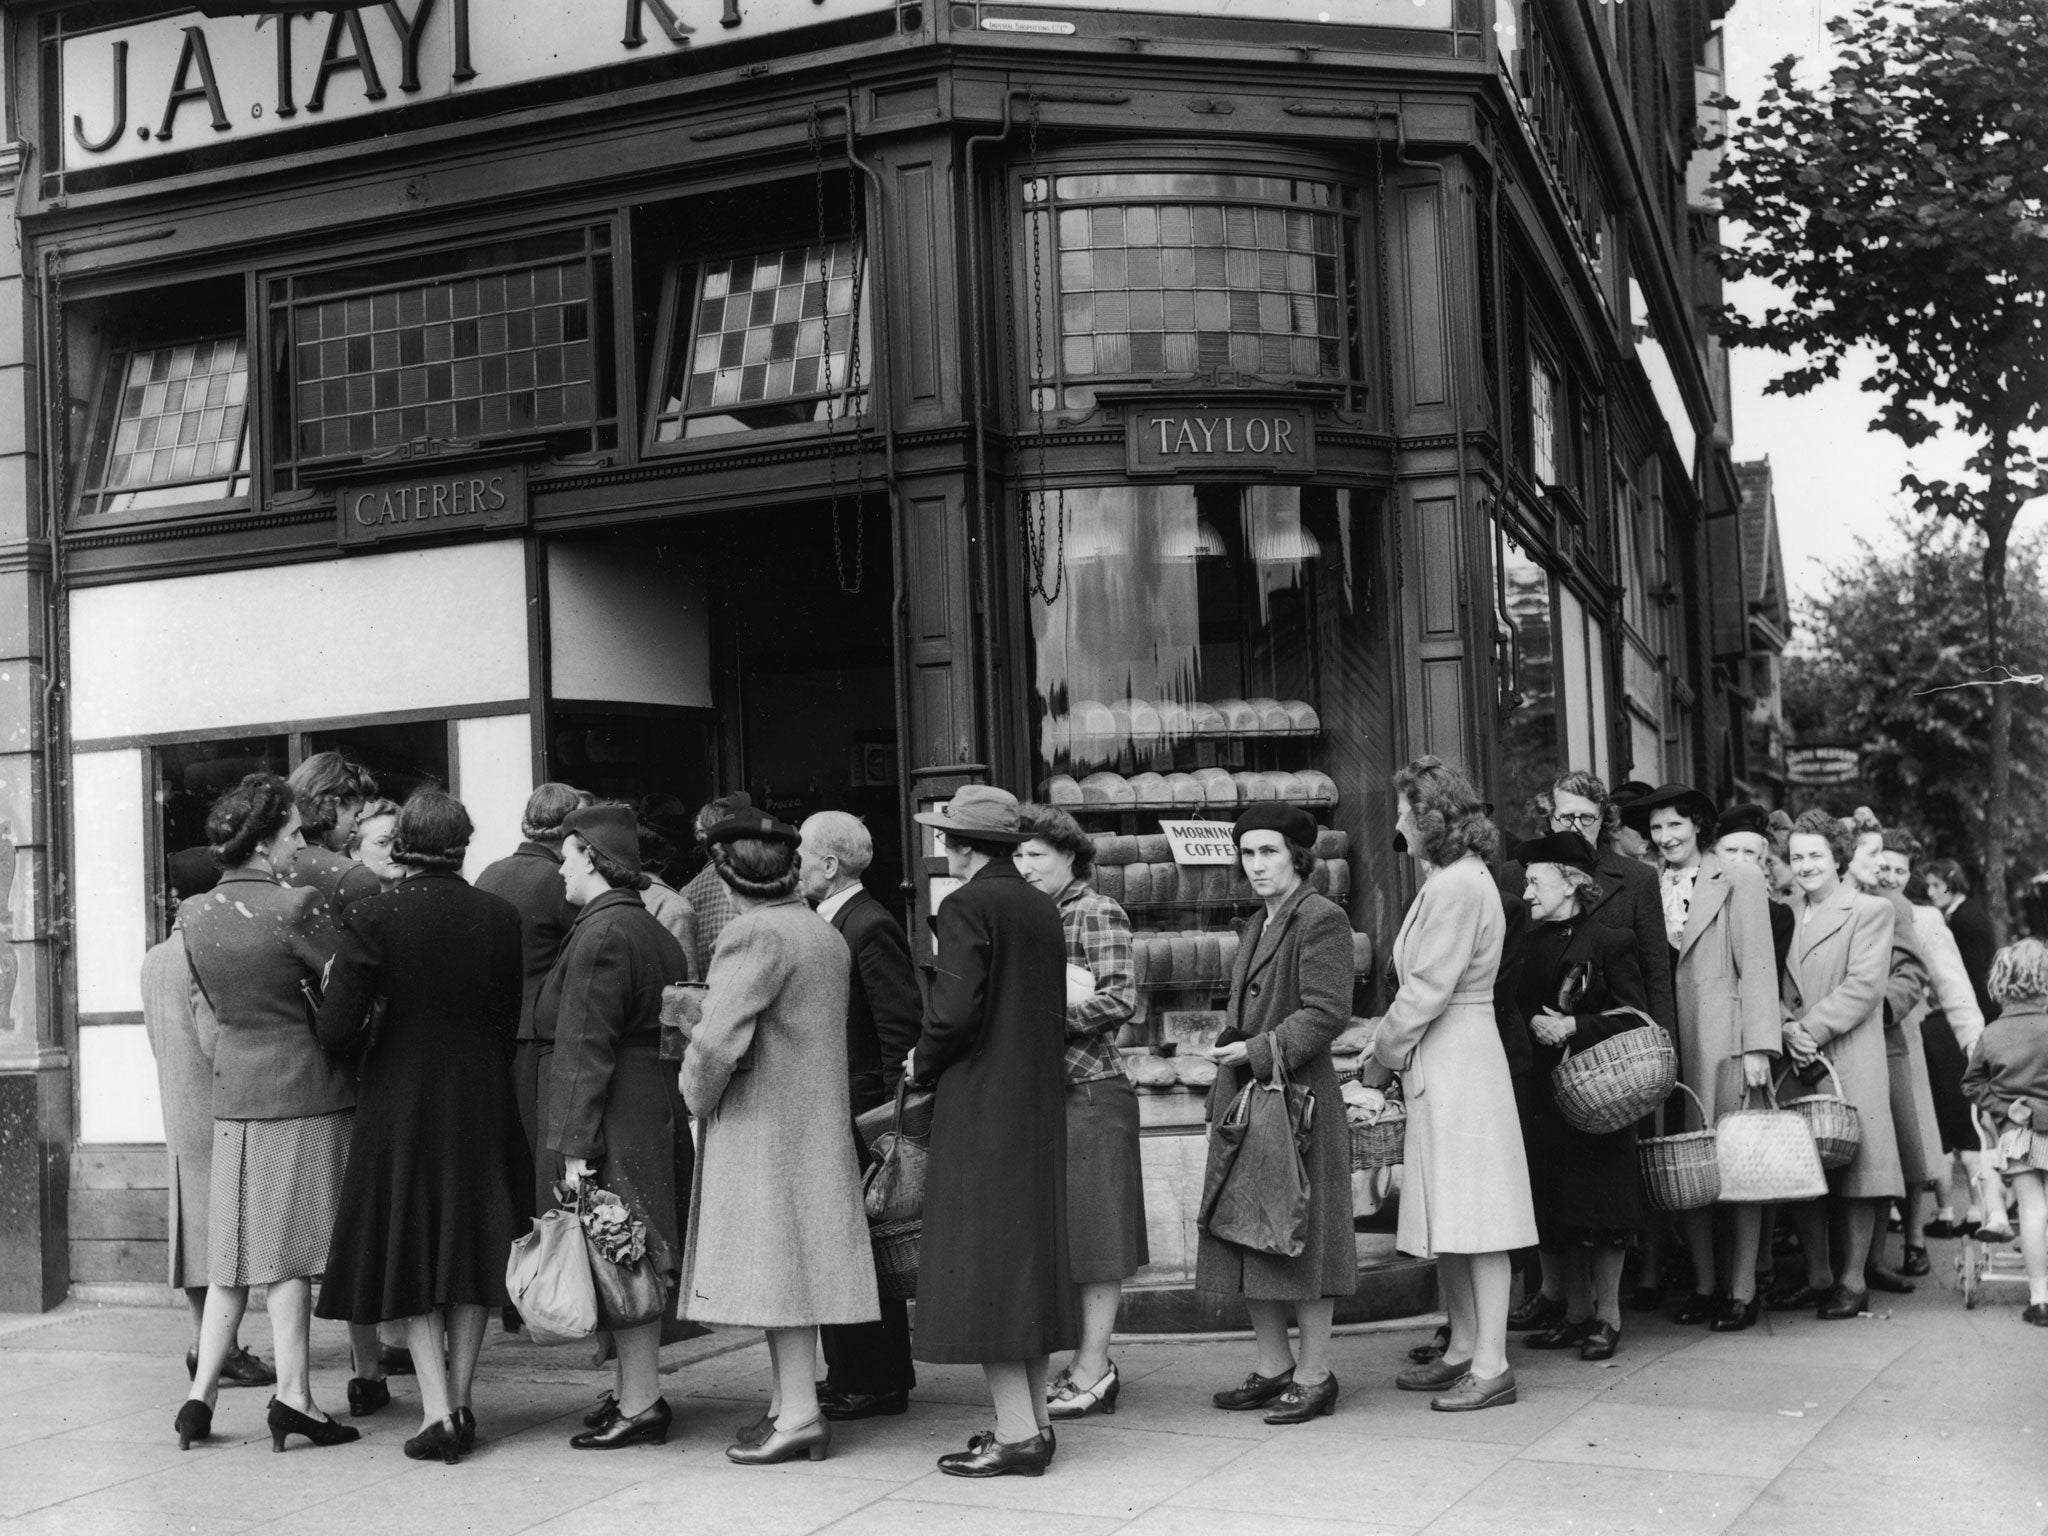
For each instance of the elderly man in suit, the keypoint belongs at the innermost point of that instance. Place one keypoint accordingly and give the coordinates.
(868, 1371)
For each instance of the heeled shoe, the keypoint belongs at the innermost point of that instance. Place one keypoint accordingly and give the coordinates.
(1298, 1404)
(285, 1420)
(1697, 1308)
(1564, 1336)
(439, 1441)
(1256, 1392)
(240, 1369)
(465, 1430)
(1843, 1303)
(813, 1439)
(366, 1396)
(1065, 1400)
(756, 1432)
(606, 1410)
(194, 1422)
(1735, 1316)
(1428, 1378)
(1471, 1394)
(1796, 1298)
(1600, 1343)
(1439, 1341)
(649, 1426)
(986, 1456)
(1537, 1313)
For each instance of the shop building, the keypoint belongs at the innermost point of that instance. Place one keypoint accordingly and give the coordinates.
(1146, 408)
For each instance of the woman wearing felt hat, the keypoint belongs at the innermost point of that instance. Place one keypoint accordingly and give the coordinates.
(1724, 974)
(604, 1095)
(1290, 997)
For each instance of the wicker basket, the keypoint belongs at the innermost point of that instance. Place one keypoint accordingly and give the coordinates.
(896, 1249)
(1382, 1141)
(1682, 1172)
(1837, 1127)
(1615, 1083)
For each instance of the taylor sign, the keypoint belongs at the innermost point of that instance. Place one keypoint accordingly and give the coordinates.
(179, 81)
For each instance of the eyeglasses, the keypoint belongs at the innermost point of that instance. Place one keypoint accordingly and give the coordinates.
(1576, 818)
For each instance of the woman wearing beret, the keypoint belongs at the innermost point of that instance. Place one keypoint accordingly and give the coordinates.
(1717, 921)
(1834, 1000)
(605, 1091)
(282, 1107)
(1465, 1194)
(1290, 997)
(994, 1286)
(1578, 981)
(778, 1240)
(438, 1184)
(1105, 1184)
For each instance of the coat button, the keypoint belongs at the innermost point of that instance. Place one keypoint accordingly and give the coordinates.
(1255, 989)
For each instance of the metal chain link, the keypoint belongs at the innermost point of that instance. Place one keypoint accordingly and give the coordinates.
(825, 362)
(1035, 550)
(1386, 337)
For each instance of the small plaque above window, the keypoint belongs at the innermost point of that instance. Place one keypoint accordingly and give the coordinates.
(457, 499)
(1193, 438)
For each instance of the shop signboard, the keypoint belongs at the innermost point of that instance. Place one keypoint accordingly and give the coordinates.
(1814, 767)
(432, 502)
(1199, 842)
(175, 82)
(1410, 15)
(1193, 437)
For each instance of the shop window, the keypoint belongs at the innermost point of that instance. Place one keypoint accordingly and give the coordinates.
(766, 339)
(402, 756)
(1211, 646)
(160, 395)
(509, 343)
(190, 776)
(1528, 673)
(1134, 276)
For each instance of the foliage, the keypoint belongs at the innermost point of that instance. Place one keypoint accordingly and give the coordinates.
(1887, 629)
(1903, 208)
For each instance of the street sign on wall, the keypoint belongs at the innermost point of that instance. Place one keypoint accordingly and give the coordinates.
(1817, 766)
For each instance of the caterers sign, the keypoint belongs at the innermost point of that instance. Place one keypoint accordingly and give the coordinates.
(176, 82)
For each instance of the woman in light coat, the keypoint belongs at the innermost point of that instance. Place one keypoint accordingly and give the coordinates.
(1465, 1193)
(1717, 917)
(1834, 1002)
(778, 1239)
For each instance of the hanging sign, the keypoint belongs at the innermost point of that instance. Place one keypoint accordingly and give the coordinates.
(1817, 766)
(424, 505)
(1200, 842)
(185, 80)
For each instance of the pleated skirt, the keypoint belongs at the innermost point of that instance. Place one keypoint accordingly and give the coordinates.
(276, 1187)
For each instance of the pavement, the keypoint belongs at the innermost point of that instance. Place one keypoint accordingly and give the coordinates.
(1924, 1418)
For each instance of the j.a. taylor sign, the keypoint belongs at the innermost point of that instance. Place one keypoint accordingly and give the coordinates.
(175, 82)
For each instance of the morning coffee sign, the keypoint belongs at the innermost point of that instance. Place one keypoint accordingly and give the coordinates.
(184, 81)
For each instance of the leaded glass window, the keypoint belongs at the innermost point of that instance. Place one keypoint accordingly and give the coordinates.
(1146, 275)
(172, 427)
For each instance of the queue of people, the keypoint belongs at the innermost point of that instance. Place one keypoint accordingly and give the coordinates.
(376, 1072)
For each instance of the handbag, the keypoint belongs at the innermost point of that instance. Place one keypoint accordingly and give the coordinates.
(1255, 1192)
(630, 1290)
(893, 1188)
(1767, 1155)
(548, 1276)
(914, 1120)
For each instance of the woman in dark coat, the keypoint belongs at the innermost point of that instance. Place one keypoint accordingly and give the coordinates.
(1290, 996)
(605, 1092)
(994, 1283)
(1585, 1187)
(438, 1183)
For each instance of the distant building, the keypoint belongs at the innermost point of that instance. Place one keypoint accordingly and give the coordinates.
(1752, 627)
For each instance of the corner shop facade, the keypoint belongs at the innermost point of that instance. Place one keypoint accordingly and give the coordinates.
(840, 399)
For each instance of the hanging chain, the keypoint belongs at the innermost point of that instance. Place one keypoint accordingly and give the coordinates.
(858, 248)
(825, 245)
(1379, 218)
(1037, 533)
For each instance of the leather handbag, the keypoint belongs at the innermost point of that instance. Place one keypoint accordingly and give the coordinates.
(1256, 1192)
(548, 1276)
(893, 1188)
(913, 1118)
(1767, 1155)
(627, 1294)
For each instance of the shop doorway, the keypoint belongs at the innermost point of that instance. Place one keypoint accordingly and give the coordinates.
(746, 650)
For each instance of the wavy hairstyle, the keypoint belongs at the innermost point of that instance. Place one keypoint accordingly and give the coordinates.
(323, 784)
(2020, 970)
(433, 832)
(1841, 839)
(546, 807)
(763, 868)
(371, 810)
(1056, 829)
(1587, 786)
(1450, 817)
(247, 816)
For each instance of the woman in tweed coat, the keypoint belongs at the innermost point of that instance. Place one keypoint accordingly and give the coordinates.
(1290, 996)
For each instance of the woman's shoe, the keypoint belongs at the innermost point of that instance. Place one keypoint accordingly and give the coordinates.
(439, 1441)
(756, 1432)
(2033, 1312)
(1537, 1312)
(1065, 1400)
(1601, 1342)
(1298, 1404)
(366, 1396)
(194, 1422)
(1471, 1394)
(649, 1426)
(1697, 1309)
(1843, 1303)
(986, 1456)
(285, 1421)
(465, 1430)
(1946, 1226)
(1439, 1341)
(1256, 1392)
(1736, 1315)
(1563, 1336)
(1877, 1277)
(1796, 1298)
(606, 1410)
(1428, 1378)
(1915, 1262)
(1994, 1232)
(813, 1439)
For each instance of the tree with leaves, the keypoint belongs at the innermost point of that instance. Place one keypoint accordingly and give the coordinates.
(1885, 660)
(1902, 207)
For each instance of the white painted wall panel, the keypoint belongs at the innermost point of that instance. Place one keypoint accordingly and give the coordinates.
(119, 1099)
(413, 629)
(107, 862)
(493, 775)
(626, 630)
